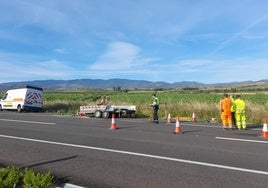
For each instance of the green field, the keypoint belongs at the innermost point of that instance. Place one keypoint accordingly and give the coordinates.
(177, 103)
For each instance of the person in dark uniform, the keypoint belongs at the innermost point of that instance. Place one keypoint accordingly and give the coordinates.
(155, 106)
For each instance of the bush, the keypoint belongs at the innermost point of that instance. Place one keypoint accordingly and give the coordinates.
(37, 180)
(11, 177)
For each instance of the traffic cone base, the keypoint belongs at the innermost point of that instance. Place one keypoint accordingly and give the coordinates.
(169, 118)
(177, 127)
(177, 130)
(82, 115)
(193, 117)
(264, 133)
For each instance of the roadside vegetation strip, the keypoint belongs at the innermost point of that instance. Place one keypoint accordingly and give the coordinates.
(242, 140)
(33, 122)
(141, 155)
(176, 102)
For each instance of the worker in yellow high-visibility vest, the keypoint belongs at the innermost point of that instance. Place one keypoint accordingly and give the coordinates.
(240, 112)
(155, 106)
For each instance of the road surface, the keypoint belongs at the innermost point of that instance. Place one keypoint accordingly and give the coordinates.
(85, 152)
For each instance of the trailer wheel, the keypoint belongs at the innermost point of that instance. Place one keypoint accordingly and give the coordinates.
(98, 114)
(106, 114)
(132, 114)
(19, 109)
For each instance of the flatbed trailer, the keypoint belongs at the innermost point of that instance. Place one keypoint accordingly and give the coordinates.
(103, 111)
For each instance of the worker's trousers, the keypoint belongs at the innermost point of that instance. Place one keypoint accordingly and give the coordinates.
(241, 120)
(226, 120)
(155, 113)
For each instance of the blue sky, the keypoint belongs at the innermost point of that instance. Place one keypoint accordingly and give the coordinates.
(209, 41)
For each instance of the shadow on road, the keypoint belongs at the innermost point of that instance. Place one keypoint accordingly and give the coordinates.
(192, 131)
(48, 162)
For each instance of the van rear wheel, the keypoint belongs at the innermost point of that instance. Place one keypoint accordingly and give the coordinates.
(19, 109)
(1, 109)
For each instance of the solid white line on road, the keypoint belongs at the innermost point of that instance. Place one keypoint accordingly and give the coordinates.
(33, 122)
(242, 140)
(257, 129)
(140, 155)
(200, 125)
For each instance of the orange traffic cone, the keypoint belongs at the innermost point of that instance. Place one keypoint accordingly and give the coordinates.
(177, 127)
(193, 117)
(264, 133)
(169, 118)
(82, 115)
(113, 124)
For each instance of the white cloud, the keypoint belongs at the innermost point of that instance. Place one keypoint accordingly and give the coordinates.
(52, 68)
(241, 33)
(119, 56)
(60, 51)
(15, 69)
(194, 62)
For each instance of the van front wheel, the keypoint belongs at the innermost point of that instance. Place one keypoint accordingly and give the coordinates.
(1, 109)
(19, 108)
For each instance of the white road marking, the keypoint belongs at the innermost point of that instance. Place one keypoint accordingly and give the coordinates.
(200, 125)
(242, 140)
(257, 129)
(140, 155)
(33, 122)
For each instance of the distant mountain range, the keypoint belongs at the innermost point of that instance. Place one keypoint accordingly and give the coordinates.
(112, 83)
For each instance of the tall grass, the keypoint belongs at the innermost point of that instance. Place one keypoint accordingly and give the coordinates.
(204, 105)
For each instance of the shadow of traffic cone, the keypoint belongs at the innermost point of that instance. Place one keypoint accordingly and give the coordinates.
(177, 127)
(169, 118)
(264, 133)
(193, 117)
(113, 124)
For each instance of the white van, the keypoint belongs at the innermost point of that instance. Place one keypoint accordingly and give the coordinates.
(29, 98)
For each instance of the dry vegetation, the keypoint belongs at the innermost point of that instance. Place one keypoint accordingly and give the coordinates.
(180, 102)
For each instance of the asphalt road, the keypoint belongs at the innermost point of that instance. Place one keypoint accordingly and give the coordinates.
(85, 152)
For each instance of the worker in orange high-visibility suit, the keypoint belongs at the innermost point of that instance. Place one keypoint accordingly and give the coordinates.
(240, 112)
(226, 114)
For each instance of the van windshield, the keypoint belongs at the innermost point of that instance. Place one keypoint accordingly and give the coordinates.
(5, 96)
